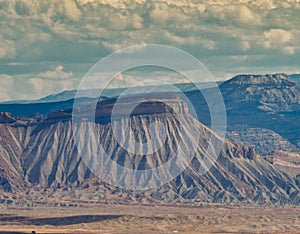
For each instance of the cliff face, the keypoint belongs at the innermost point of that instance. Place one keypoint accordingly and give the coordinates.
(264, 140)
(266, 105)
(11, 171)
(44, 154)
(267, 93)
(286, 161)
(148, 104)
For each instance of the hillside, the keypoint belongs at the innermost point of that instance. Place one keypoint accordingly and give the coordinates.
(46, 157)
(271, 93)
(268, 104)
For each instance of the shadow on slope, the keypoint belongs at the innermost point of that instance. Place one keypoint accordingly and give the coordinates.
(55, 221)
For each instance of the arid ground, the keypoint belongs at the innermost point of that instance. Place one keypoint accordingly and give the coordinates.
(149, 219)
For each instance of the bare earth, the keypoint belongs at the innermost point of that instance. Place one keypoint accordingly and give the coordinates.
(149, 219)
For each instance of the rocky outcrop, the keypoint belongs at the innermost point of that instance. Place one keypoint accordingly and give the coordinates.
(269, 107)
(135, 105)
(143, 105)
(11, 171)
(270, 93)
(280, 79)
(266, 105)
(286, 161)
(45, 156)
(5, 117)
(265, 141)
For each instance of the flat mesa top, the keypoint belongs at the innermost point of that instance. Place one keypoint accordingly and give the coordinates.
(142, 104)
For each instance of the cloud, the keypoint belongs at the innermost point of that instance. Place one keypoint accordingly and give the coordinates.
(131, 77)
(39, 85)
(289, 50)
(238, 14)
(36, 85)
(7, 50)
(42, 87)
(162, 14)
(51, 81)
(71, 10)
(6, 85)
(57, 73)
(266, 4)
(278, 36)
(83, 30)
(245, 45)
(225, 35)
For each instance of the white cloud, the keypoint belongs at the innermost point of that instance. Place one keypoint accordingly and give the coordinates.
(57, 73)
(227, 34)
(51, 81)
(235, 13)
(181, 40)
(208, 44)
(264, 44)
(266, 4)
(6, 87)
(239, 58)
(39, 85)
(42, 30)
(42, 87)
(7, 50)
(245, 15)
(162, 14)
(289, 50)
(71, 10)
(278, 36)
(245, 45)
(280, 40)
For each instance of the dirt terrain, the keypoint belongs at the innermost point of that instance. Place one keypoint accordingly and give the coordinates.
(149, 219)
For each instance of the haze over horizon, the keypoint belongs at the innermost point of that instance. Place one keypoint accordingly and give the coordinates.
(48, 46)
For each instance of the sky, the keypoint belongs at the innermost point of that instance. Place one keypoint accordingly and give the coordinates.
(48, 46)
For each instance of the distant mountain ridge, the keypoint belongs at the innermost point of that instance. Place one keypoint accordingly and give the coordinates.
(70, 94)
(109, 92)
(268, 79)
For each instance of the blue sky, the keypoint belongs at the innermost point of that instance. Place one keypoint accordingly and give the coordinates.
(48, 46)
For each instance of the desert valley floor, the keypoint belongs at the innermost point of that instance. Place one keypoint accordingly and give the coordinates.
(149, 219)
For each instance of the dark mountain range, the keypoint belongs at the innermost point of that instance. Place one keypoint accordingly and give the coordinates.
(41, 110)
(108, 93)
